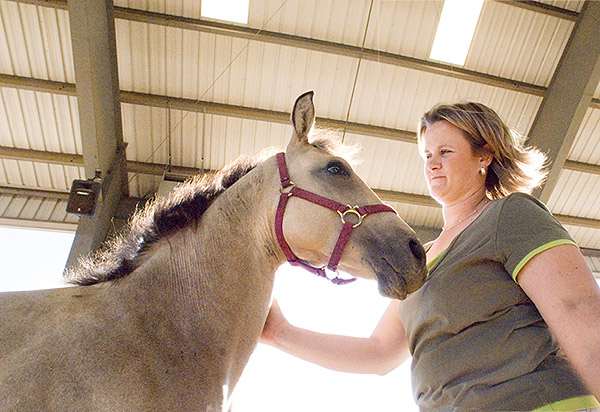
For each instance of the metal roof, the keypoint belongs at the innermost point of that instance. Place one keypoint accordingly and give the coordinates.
(215, 90)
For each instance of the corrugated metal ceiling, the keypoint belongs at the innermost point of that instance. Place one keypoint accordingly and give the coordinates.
(297, 45)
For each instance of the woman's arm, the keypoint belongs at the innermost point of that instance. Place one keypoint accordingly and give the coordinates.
(565, 292)
(382, 352)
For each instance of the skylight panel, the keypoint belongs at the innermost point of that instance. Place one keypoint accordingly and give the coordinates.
(455, 30)
(229, 10)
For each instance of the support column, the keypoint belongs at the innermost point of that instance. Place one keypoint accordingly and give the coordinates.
(95, 60)
(569, 95)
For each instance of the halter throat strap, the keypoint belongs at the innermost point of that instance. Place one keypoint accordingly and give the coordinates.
(289, 189)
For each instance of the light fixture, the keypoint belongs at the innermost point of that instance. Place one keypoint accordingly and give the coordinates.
(83, 197)
(455, 30)
(229, 10)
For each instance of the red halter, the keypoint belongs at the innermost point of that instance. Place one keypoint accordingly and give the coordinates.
(288, 189)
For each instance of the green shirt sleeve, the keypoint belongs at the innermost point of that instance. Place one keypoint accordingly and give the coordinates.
(526, 228)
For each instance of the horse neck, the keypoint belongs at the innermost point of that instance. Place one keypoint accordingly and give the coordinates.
(218, 273)
(236, 231)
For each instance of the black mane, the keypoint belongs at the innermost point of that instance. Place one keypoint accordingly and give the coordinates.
(161, 217)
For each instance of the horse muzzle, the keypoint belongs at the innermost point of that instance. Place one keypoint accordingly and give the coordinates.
(398, 264)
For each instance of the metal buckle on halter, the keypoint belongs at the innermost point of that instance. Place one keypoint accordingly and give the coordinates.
(352, 210)
(288, 189)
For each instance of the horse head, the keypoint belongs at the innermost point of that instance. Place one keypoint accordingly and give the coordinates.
(364, 240)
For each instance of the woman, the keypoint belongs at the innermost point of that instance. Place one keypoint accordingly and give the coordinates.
(507, 287)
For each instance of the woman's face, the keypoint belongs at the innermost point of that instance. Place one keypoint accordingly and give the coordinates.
(451, 169)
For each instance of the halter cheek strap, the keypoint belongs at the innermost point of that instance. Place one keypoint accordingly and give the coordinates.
(289, 189)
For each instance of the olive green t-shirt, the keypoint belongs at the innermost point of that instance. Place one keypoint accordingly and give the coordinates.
(477, 341)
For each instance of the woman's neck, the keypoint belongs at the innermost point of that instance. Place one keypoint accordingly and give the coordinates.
(465, 210)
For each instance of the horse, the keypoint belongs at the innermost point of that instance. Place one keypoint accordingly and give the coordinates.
(167, 316)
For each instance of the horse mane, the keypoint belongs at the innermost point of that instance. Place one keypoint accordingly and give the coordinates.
(163, 216)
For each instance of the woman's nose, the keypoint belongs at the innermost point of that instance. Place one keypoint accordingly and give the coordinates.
(432, 164)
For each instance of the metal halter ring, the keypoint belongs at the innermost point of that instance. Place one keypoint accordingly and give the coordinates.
(353, 210)
(288, 189)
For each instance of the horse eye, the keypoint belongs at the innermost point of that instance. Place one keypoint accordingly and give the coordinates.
(336, 168)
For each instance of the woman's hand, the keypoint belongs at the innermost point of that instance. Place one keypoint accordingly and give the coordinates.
(275, 322)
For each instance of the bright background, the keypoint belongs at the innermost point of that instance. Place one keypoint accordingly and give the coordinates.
(273, 381)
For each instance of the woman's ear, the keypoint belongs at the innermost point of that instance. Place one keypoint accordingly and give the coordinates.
(486, 156)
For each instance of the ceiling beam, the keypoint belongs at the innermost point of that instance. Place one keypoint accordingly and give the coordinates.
(93, 41)
(67, 159)
(252, 113)
(56, 4)
(426, 234)
(21, 223)
(590, 252)
(569, 95)
(30, 155)
(579, 221)
(123, 212)
(408, 198)
(37, 85)
(543, 8)
(34, 192)
(421, 200)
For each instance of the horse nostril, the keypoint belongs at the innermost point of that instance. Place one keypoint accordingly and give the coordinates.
(417, 250)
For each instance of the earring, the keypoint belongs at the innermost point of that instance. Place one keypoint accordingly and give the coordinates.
(482, 171)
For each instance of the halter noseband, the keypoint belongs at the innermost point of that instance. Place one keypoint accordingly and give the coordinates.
(289, 189)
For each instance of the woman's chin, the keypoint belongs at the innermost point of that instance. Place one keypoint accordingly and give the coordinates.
(436, 195)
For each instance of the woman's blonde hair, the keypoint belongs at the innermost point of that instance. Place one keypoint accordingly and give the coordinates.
(514, 167)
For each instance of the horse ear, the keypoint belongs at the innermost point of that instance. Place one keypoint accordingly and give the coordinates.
(303, 116)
